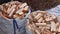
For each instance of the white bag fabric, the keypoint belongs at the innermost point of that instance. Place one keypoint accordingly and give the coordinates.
(55, 10)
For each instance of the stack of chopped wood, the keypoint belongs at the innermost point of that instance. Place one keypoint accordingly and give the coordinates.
(42, 22)
(14, 9)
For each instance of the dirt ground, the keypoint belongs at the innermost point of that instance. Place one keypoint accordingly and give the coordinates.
(58, 1)
(41, 4)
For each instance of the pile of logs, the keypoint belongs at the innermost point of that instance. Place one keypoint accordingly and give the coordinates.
(14, 9)
(42, 22)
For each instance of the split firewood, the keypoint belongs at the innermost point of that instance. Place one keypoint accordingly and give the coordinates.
(16, 16)
(40, 20)
(1, 7)
(46, 32)
(40, 24)
(59, 29)
(38, 16)
(26, 8)
(11, 13)
(48, 17)
(53, 26)
(58, 33)
(38, 11)
(23, 5)
(20, 11)
(37, 32)
(47, 27)
(53, 17)
(53, 33)
(9, 10)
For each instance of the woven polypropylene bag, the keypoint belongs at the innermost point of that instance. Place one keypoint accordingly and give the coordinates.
(55, 11)
(6, 25)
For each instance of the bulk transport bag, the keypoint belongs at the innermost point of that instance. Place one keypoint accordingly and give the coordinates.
(6, 25)
(13, 22)
(55, 11)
